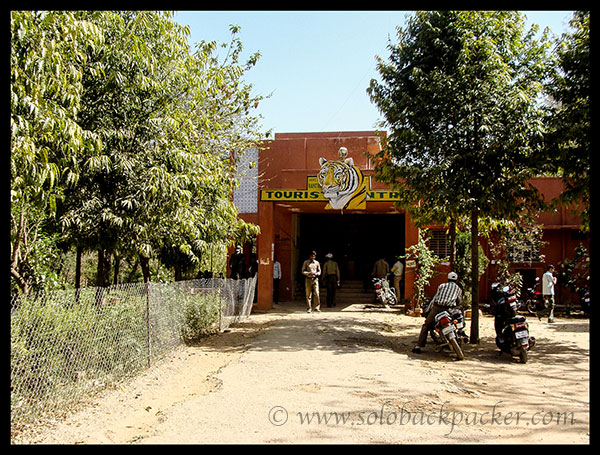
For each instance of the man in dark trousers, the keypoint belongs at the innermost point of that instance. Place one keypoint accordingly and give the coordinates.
(331, 276)
(236, 263)
(447, 296)
(311, 269)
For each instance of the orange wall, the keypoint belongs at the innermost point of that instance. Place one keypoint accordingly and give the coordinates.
(286, 162)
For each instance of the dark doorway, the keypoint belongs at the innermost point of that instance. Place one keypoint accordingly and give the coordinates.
(355, 240)
(528, 279)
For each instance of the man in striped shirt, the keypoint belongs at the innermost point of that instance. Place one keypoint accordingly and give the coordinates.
(447, 296)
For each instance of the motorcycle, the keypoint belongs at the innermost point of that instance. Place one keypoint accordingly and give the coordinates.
(584, 299)
(534, 301)
(383, 292)
(449, 329)
(512, 331)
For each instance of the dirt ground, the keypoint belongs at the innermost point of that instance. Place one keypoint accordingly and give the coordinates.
(346, 375)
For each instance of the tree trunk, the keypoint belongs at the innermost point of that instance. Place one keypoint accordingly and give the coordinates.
(78, 267)
(145, 264)
(103, 272)
(102, 275)
(116, 267)
(78, 254)
(453, 244)
(133, 271)
(22, 282)
(474, 277)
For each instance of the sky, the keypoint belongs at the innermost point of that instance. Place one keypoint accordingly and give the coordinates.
(315, 66)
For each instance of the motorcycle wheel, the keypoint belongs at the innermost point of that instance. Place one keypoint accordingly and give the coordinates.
(436, 338)
(523, 355)
(531, 307)
(457, 349)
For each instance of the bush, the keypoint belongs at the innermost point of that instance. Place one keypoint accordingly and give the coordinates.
(200, 317)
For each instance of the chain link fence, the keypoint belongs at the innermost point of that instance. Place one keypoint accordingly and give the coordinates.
(69, 344)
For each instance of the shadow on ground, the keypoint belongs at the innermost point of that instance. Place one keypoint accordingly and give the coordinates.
(350, 328)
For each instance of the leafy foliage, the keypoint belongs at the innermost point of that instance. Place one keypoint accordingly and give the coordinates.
(459, 94)
(124, 138)
(426, 261)
(47, 144)
(517, 239)
(569, 116)
(459, 98)
(463, 264)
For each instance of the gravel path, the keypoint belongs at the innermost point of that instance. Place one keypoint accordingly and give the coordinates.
(346, 375)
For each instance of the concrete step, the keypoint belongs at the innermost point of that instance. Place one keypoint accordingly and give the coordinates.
(350, 292)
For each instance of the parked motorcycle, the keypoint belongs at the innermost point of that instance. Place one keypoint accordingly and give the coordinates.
(449, 329)
(512, 331)
(584, 299)
(533, 299)
(384, 292)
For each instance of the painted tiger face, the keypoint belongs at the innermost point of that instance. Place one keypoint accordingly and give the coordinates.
(342, 183)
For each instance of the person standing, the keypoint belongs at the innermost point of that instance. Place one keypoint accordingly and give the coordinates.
(381, 269)
(548, 283)
(398, 271)
(276, 279)
(236, 263)
(311, 269)
(331, 276)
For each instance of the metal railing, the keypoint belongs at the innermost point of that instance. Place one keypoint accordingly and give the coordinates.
(70, 344)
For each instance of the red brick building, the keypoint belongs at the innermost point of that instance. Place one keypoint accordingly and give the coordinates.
(305, 196)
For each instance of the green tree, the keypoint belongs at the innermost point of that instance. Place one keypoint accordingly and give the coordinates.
(569, 116)
(427, 262)
(459, 94)
(163, 181)
(123, 139)
(48, 52)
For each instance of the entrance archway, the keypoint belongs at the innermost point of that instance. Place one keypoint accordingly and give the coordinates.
(355, 240)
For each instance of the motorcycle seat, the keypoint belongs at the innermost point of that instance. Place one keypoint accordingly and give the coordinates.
(441, 315)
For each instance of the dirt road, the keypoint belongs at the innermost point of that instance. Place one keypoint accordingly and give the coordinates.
(347, 375)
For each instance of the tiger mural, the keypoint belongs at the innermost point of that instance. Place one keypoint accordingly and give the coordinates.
(342, 183)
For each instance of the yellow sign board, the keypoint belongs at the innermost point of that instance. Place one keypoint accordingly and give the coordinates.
(313, 193)
(292, 195)
(339, 182)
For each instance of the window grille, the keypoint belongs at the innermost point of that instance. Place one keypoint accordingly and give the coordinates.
(439, 243)
(524, 253)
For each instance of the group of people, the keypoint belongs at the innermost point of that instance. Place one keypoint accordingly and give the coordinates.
(450, 294)
(381, 269)
(311, 269)
(237, 264)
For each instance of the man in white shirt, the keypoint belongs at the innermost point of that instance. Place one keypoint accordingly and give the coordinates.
(548, 282)
(398, 271)
(311, 269)
(276, 279)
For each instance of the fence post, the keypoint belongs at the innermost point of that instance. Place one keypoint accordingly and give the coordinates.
(220, 306)
(148, 332)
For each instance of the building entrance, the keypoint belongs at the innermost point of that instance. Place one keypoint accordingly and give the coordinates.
(355, 240)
